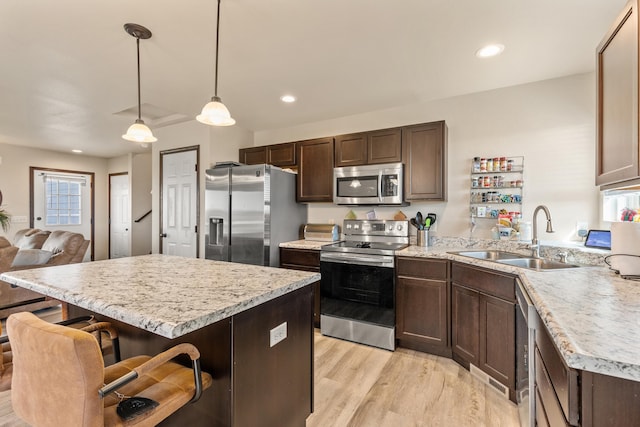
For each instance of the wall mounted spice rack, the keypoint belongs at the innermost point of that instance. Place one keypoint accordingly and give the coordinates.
(496, 191)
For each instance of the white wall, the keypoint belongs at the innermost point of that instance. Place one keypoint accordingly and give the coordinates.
(14, 184)
(216, 144)
(551, 123)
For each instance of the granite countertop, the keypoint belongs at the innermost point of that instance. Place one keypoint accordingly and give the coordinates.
(305, 244)
(592, 314)
(168, 295)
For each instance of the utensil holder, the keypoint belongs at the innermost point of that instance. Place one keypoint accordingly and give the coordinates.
(422, 238)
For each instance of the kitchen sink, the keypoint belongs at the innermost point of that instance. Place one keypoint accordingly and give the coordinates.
(537, 263)
(516, 260)
(490, 255)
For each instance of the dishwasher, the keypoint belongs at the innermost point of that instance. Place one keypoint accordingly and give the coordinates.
(525, 347)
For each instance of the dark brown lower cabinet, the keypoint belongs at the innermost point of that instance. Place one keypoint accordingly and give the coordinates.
(305, 260)
(465, 325)
(483, 322)
(422, 305)
(569, 397)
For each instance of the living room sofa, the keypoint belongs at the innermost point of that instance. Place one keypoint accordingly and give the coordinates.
(35, 248)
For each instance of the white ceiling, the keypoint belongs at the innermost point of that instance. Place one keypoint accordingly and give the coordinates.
(67, 66)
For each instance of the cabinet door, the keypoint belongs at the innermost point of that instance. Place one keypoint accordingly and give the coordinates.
(351, 150)
(315, 170)
(384, 146)
(465, 328)
(421, 313)
(424, 156)
(305, 260)
(253, 155)
(617, 100)
(282, 154)
(498, 339)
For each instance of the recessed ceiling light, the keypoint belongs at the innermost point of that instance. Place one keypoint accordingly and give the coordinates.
(490, 50)
(77, 151)
(288, 98)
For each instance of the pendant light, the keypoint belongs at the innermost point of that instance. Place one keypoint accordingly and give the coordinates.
(138, 132)
(215, 113)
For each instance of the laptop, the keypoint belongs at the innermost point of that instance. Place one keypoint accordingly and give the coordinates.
(600, 239)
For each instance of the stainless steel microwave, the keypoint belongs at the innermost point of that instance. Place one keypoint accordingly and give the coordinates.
(369, 185)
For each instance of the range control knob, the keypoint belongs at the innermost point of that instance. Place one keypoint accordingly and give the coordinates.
(399, 227)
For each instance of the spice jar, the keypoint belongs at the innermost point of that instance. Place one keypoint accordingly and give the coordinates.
(476, 164)
(489, 165)
(483, 165)
(510, 164)
(503, 164)
(474, 182)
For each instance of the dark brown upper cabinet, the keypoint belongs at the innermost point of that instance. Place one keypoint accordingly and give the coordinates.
(617, 101)
(351, 150)
(282, 155)
(315, 170)
(424, 149)
(381, 146)
(253, 155)
(384, 146)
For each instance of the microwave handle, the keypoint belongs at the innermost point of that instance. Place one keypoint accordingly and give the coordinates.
(380, 186)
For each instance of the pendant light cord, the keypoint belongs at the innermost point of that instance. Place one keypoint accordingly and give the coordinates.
(215, 89)
(138, 50)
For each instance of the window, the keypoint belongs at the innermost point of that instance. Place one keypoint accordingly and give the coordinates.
(621, 205)
(63, 201)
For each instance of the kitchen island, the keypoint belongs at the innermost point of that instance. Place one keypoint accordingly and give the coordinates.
(227, 310)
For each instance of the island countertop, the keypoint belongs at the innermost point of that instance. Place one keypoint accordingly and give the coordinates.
(167, 295)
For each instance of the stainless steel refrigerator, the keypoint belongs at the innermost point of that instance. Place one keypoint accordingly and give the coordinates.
(250, 210)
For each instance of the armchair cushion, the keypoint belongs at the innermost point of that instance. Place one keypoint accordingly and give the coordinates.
(4, 243)
(33, 240)
(31, 257)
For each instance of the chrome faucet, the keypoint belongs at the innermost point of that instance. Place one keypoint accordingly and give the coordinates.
(535, 244)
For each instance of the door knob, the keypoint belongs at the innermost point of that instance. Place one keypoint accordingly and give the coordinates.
(39, 218)
(163, 234)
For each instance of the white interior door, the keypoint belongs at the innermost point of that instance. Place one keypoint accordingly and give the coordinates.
(62, 201)
(179, 204)
(119, 216)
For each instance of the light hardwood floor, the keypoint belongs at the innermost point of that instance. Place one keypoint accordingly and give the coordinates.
(362, 386)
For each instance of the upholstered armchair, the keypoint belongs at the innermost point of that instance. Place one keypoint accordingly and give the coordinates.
(74, 393)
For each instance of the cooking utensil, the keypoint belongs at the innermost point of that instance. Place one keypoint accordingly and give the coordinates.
(420, 220)
(414, 223)
(431, 217)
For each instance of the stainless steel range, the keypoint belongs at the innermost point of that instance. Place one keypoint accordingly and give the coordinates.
(358, 282)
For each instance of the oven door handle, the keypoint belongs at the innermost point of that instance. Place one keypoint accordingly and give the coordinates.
(380, 186)
(360, 259)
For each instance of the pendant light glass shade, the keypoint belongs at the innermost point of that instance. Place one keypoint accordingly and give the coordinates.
(215, 113)
(139, 132)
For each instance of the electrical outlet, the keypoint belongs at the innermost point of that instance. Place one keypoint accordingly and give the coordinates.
(277, 334)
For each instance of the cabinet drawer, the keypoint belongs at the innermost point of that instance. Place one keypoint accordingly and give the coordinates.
(546, 401)
(563, 380)
(422, 268)
(293, 258)
(489, 282)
